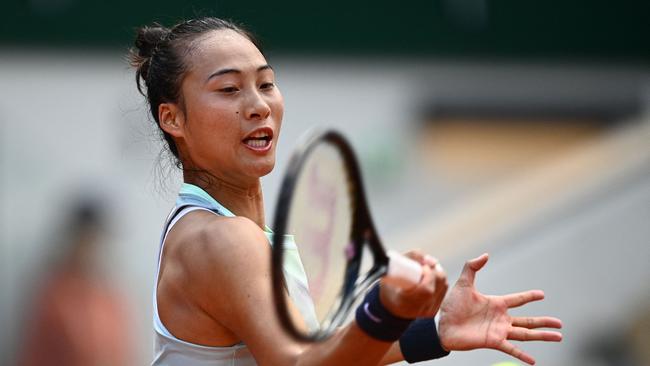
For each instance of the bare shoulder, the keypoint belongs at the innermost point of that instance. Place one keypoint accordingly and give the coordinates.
(202, 239)
(212, 255)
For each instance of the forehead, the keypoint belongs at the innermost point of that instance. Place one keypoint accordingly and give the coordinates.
(224, 49)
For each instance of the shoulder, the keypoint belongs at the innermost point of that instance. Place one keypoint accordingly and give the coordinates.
(202, 237)
(207, 256)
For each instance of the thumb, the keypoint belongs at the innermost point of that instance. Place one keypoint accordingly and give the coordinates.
(471, 267)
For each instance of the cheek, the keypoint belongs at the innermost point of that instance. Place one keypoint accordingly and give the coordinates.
(222, 116)
(278, 110)
(279, 115)
(215, 128)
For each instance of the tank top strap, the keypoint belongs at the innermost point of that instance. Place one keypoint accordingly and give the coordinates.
(191, 195)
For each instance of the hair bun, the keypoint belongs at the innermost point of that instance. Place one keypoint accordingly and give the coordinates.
(148, 38)
(146, 41)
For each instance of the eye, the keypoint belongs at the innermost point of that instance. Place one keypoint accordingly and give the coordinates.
(267, 86)
(228, 90)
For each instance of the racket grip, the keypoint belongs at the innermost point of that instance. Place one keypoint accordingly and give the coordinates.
(403, 272)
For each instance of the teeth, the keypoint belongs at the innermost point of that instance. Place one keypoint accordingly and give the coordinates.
(256, 143)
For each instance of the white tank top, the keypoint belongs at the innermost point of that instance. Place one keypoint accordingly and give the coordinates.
(171, 351)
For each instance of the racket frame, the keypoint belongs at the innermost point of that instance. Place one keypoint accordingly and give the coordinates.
(363, 235)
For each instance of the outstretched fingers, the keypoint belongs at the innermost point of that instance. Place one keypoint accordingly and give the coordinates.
(524, 334)
(536, 322)
(523, 329)
(522, 298)
(515, 352)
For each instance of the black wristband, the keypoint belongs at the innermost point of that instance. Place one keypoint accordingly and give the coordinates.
(374, 319)
(420, 342)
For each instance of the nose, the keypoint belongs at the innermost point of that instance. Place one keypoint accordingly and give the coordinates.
(256, 107)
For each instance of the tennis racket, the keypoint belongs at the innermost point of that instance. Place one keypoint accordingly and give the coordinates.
(322, 217)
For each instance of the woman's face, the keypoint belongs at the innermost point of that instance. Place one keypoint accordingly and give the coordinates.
(231, 109)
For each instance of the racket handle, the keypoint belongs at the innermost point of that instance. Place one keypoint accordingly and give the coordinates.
(403, 272)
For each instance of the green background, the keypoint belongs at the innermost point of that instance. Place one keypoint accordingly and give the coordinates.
(601, 30)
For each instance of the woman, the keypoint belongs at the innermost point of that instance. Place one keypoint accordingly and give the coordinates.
(214, 98)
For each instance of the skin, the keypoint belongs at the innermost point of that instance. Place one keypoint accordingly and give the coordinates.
(208, 258)
(228, 92)
(471, 320)
(217, 112)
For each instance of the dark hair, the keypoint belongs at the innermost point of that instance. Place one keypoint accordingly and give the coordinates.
(159, 56)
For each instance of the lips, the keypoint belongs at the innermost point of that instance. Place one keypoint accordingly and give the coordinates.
(259, 139)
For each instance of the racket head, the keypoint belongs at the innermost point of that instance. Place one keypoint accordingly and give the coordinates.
(322, 214)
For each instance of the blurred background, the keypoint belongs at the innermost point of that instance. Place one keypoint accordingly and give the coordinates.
(517, 128)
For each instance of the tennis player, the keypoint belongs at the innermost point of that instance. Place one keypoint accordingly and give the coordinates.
(214, 99)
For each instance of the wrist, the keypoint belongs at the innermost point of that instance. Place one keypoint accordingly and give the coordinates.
(377, 321)
(444, 347)
(420, 342)
(442, 337)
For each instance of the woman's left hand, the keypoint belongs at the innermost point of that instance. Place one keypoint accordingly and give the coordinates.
(471, 320)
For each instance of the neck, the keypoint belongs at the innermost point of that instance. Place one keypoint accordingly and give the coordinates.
(242, 199)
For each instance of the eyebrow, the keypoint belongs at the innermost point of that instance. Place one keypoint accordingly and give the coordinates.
(235, 71)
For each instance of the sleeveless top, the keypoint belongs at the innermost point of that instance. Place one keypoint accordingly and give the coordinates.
(171, 351)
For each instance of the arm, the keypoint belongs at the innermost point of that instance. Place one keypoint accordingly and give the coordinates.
(393, 355)
(420, 342)
(229, 264)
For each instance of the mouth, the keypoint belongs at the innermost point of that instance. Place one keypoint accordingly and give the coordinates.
(259, 140)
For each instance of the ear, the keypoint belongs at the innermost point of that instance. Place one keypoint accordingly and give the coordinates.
(172, 119)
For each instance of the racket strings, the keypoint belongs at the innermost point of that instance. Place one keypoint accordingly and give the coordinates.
(328, 216)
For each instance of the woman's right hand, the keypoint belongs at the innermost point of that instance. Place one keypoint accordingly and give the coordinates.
(421, 301)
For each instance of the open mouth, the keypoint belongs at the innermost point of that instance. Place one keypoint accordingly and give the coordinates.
(259, 139)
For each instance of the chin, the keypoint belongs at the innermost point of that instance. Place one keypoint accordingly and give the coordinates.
(262, 169)
(266, 171)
